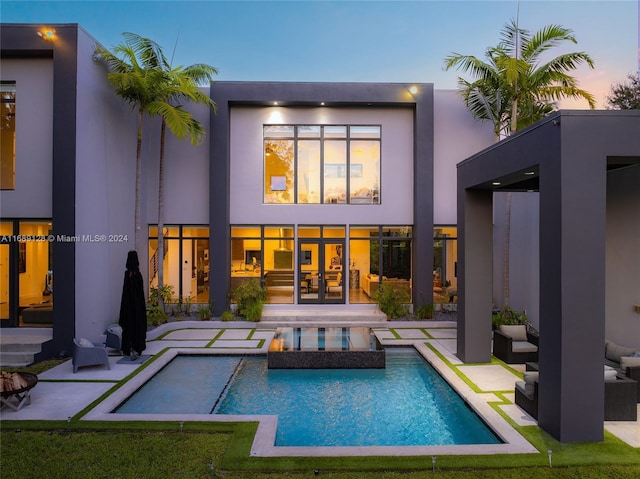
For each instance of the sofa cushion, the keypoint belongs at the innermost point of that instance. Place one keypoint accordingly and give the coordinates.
(85, 343)
(629, 362)
(610, 375)
(523, 347)
(614, 351)
(517, 332)
(527, 389)
(531, 377)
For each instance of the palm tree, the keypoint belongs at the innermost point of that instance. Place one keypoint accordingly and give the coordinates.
(181, 85)
(513, 88)
(143, 77)
(134, 71)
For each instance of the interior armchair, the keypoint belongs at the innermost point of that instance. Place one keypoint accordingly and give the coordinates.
(513, 344)
(335, 286)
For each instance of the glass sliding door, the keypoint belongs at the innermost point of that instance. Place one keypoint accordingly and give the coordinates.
(311, 278)
(320, 271)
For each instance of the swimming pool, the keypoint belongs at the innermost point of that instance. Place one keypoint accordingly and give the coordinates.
(407, 403)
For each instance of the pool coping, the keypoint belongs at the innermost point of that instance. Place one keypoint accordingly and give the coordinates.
(264, 441)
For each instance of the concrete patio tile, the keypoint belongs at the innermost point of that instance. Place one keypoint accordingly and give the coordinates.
(491, 377)
(247, 343)
(447, 348)
(384, 334)
(64, 371)
(264, 334)
(154, 347)
(520, 417)
(627, 431)
(236, 334)
(411, 334)
(57, 401)
(444, 333)
(204, 334)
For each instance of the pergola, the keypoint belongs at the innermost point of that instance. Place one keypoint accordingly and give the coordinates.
(566, 158)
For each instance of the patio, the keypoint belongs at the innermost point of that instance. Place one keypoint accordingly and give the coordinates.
(61, 394)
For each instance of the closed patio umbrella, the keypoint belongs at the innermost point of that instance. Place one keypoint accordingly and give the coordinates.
(133, 313)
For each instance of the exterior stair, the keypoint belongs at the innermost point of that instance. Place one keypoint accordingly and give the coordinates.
(322, 315)
(18, 346)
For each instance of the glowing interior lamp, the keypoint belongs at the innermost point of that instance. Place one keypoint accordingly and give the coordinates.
(47, 34)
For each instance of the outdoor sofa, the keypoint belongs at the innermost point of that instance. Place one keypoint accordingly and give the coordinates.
(513, 344)
(620, 396)
(625, 360)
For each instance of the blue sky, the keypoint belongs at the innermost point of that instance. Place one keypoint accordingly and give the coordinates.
(359, 41)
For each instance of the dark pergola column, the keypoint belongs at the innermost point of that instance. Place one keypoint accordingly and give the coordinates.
(572, 284)
(475, 245)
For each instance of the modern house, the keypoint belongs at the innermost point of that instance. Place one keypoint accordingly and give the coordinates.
(323, 192)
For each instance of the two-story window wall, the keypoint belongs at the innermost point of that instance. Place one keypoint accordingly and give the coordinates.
(322, 164)
(8, 136)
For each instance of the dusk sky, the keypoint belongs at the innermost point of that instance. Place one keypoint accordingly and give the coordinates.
(351, 41)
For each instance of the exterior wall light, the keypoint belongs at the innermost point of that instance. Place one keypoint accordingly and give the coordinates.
(47, 34)
(413, 90)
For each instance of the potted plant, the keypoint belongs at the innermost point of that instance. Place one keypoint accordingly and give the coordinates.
(249, 296)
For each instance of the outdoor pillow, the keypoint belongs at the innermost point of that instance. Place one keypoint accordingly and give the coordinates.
(629, 362)
(531, 377)
(517, 332)
(615, 351)
(115, 329)
(610, 375)
(85, 343)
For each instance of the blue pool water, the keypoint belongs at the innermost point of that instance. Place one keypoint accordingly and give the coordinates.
(406, 404)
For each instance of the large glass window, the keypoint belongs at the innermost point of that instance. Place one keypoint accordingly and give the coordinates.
(8, 136)
(445, 260)
(264, 253)
(185, 262)
(379, 255)
(331, 164)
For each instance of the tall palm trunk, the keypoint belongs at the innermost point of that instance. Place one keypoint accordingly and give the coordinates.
(137, 207)
(160, 251)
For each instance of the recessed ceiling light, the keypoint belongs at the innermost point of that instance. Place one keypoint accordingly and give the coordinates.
(529, 173)
(275, 103)
(496, 183)
(321, 103)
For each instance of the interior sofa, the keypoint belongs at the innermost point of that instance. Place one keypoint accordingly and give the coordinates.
(38, 314)
(620, 396)
(371, 284)
(513, 344)
(625, 360)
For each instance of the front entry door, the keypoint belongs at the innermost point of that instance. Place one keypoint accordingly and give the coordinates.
(320, 271)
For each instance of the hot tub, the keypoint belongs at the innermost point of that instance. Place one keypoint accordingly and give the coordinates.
(325, 348)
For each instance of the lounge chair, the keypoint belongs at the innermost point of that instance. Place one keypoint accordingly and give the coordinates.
(86, 353)
(114, 337)
(513, 344)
